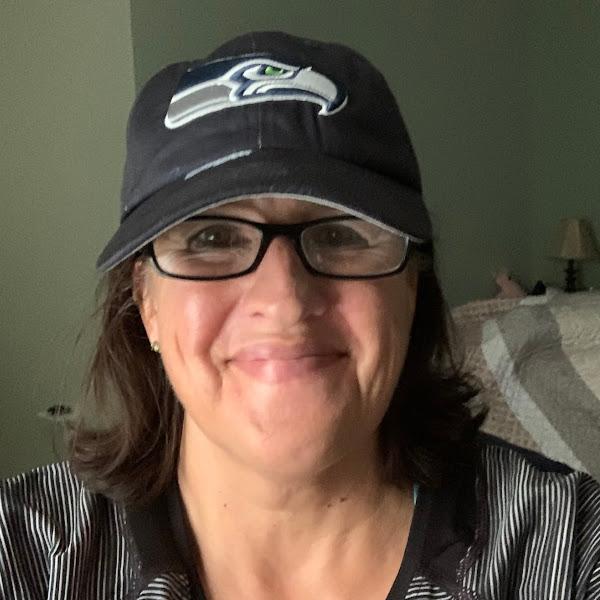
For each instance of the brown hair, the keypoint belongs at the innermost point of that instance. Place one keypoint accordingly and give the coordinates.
(124, 439)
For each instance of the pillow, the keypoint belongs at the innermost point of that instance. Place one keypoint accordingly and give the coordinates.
(468, 321)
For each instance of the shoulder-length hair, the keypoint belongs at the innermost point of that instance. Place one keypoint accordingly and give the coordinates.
(124, 439)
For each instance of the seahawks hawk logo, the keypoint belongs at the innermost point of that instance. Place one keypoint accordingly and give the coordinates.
(236, 82)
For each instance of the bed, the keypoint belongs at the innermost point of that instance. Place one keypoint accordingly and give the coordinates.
(538, 362)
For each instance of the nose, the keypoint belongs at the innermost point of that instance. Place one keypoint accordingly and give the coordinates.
(282, 289)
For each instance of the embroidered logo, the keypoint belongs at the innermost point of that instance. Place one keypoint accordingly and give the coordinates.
(236, 82)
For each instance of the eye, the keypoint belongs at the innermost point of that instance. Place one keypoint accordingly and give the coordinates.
(336, 235)
(218, 236)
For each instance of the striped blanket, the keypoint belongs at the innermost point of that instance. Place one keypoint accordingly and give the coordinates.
(544, 355)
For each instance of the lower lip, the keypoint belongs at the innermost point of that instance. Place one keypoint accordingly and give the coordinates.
(277, 371)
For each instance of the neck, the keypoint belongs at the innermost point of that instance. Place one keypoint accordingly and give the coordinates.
(274, 530)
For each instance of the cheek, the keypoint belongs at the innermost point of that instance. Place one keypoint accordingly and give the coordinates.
(189, 322)
(379, 317)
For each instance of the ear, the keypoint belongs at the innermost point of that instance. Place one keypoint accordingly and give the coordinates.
(144, 295)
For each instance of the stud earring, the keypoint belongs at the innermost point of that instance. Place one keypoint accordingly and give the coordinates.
(155, 347)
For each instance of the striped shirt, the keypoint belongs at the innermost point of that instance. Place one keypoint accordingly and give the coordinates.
(513, 525)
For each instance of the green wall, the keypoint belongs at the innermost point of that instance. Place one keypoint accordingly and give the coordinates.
(564, 90)
(67, 83)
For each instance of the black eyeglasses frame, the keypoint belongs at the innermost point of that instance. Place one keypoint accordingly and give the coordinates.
(269, 232)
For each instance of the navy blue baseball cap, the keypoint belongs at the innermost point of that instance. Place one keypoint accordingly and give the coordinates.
(266, 113)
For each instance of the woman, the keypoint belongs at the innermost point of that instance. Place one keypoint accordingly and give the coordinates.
(275, 411)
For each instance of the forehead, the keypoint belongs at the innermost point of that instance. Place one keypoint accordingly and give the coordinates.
(273, 208)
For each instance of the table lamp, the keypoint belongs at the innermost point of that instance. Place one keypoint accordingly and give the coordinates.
(576, 242)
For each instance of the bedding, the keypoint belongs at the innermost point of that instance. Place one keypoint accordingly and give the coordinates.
(538, 361)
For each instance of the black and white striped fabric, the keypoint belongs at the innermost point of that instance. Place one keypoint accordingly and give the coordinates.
(510, 525)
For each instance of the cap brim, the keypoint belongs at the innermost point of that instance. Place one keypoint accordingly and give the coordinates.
(320, 178)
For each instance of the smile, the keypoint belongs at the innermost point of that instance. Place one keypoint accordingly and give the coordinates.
(279, 370)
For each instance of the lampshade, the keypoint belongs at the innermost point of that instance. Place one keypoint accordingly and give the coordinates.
(576, 240)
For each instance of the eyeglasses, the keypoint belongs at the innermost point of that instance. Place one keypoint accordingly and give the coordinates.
(216, 247)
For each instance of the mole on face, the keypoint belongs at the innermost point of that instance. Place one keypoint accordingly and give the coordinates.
(342, 499)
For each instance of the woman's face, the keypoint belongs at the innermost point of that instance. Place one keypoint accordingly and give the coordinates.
(284, 371)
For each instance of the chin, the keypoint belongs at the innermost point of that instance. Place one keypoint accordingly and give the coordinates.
(289, 470)
(292, 457)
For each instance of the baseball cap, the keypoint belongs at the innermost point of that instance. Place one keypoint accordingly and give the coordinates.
(266, 113)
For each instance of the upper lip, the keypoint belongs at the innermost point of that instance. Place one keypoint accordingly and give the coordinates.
(281, 351)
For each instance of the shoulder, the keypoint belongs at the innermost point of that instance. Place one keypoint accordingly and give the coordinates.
(48, 481)
(511, 475)
(504, 464)
(495, 448)
(541, 510)
(56, 535)
(50, 507)
(52, 491)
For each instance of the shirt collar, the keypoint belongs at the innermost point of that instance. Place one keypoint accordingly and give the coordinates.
(451, 532)
(160, 535)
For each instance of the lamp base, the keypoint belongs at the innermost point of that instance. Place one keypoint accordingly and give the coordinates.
(570, 277)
